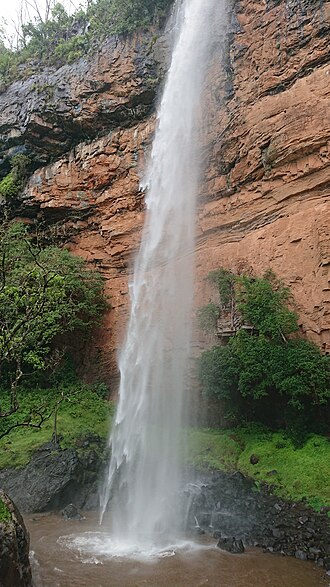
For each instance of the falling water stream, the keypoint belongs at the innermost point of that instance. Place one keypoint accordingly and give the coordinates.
(143, 477)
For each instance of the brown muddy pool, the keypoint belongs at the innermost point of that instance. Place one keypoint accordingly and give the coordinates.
(76, 554)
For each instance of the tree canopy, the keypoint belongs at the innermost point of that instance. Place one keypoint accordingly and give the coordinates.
(44, 293)
(269, 371)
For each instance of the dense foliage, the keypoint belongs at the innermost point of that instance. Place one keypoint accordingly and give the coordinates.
(13, 182)
(44, 294)
(263, 303)
(64, 37)
(266, 373)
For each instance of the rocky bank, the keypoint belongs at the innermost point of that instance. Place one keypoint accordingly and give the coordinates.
(55, 477)
(233, 510)
(15, 570)
(227, 506)
(264, 201)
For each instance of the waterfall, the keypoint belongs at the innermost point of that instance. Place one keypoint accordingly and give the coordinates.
(143, 476)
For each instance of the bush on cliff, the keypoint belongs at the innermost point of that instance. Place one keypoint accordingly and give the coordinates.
(61, 37)
(4, 512)
(264, 373)
(13, 182)
(45, 293)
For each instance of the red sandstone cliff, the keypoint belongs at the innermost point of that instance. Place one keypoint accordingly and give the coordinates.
(264, 201)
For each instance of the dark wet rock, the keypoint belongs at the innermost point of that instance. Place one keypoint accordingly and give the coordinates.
(231, 545)
(254, 459)
(15, 570)
(55, 109)
(277, 533)
(198, 531)
(53, 479)
(228, 504)
(71, 512)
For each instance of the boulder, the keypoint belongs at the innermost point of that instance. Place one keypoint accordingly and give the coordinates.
(54, 478)
(71, 512)
(15, 570)
(231, 545)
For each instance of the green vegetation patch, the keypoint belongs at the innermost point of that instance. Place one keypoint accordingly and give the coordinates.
(292, 473)
(62, 37)
(81, 412)
(264, 371)
(13, 182)
(45, 294)
(213, 449)
(5, 515)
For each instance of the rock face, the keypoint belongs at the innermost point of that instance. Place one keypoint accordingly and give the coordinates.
(15, 570)
(51, 112)
(231, 545)
(264, 202)
(54, 478)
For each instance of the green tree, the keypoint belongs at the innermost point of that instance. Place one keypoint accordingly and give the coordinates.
(44, 293)
(263, 303)
(269, 374)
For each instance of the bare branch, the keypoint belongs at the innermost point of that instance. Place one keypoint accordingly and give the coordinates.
(26, 424)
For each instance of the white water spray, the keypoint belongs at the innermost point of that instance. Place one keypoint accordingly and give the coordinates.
(143, 477)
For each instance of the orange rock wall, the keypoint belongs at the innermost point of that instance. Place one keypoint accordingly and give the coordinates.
(264, 201)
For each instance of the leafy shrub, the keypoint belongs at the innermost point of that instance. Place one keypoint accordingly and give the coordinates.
(44, 294)
(8, 186)
(13, 182)
(262, 303)
(62, 38)
(207, 317)
(267, 375)
(225, 283)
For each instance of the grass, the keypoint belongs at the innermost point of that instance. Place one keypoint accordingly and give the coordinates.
(293, 473)
(85, 412)
(212, 449)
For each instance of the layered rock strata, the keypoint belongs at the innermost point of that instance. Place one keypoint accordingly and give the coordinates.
(264, 201)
